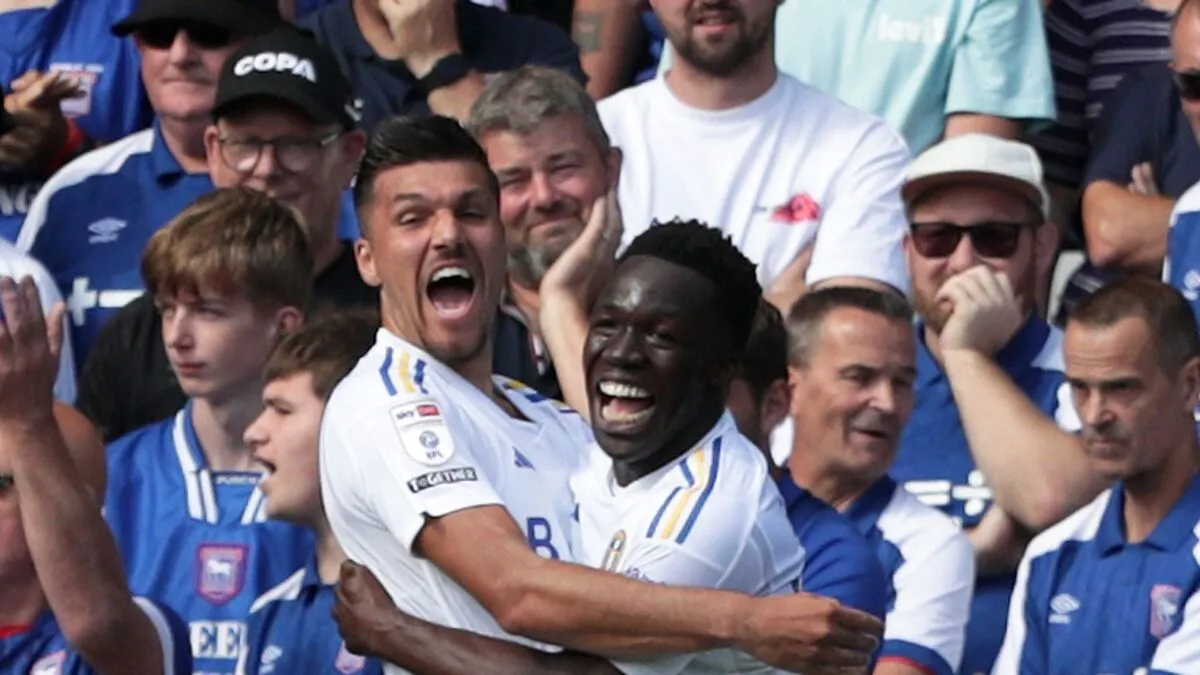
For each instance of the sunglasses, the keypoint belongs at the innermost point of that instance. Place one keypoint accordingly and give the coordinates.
(1188, 84)
(990, 240)
(162, 35)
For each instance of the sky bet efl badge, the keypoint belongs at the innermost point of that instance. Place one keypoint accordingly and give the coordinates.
(220, 571)
(423, 432)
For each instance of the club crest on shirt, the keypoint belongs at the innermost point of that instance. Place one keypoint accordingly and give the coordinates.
(423, 432)
(50, 665)
(616, 549)
(348, 663)
(798, 209)
(220, 571)
(87, 74)
(1164, 607)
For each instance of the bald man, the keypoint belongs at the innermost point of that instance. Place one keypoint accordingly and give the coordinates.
(64, 604)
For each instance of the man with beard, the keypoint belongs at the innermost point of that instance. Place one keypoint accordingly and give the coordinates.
(990, 393)
(548, 148)
(806, 186)
(1121, 575)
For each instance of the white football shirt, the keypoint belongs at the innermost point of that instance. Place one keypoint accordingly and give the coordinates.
(793, 165)
(712, 518)
(405, 438)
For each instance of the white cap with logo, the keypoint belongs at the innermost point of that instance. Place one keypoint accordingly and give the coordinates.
(982, 159)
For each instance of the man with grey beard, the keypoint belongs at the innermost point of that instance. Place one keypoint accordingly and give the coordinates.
(554, 162)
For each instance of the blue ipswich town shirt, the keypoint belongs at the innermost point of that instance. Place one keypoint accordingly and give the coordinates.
(195, 539)
(1182, 267)
(72, 37)
(43, 650)
(1088, 601)
(934, 461)
(91, 221)
(291, 630)
(930, 567)
(838, 562)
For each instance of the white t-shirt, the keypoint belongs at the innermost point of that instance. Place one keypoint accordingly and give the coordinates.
(773, 174)
(710, 519)
(405, 438)
(15, 264)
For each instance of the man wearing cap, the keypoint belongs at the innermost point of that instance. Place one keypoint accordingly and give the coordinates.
(421, 57)
(90, 221)
(285, 122)
(992, 417)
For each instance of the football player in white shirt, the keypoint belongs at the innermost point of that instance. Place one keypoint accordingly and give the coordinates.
(451, 485)
(671, 493)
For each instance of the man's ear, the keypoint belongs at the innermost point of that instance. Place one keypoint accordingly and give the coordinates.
(776, 405)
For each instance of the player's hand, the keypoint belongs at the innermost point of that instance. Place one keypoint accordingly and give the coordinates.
(582, 270)
(985, 312)
(810, 634)
(35, 103)
(363, 609)
(424, 31)
(29, 347)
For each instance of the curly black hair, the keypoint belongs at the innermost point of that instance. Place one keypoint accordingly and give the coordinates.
(710, 253)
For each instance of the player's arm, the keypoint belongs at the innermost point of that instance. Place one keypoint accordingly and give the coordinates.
(372, 625)
(58, 477)
(926, 628)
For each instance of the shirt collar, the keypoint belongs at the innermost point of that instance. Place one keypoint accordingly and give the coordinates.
(1020, 351)
(865, 510)
(1173, 532)
(162, 161)
(312, 578)
(344, 23)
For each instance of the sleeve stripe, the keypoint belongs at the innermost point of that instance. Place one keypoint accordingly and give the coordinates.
(710, 483)
(384, 371)
(685, 497)
(662, 509)
(162, 627)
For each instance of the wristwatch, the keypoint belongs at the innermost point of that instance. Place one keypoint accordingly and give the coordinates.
(448, 70)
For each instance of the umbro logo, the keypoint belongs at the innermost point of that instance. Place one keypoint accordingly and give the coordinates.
(105, 231)
(1061, 608)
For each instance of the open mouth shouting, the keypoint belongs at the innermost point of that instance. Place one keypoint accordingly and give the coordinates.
(452, 291)
(623, 407)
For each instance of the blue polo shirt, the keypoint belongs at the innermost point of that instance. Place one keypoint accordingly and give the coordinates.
(72, 37)
(1089, 601)
(935, 463)
(492, 41)
(291, 630)
(930, 571)
(838, 562)
(92, 220)
(44, 650)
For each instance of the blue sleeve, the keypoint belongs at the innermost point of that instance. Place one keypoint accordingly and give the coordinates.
(842, 566)
(1124, 134)
(172, 635)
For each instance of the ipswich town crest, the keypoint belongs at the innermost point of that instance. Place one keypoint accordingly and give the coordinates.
(1164, 607)
(220, 571)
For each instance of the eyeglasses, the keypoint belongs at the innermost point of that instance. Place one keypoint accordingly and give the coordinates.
(1188, 84)
(6, 482)
(162, 35)
(293, 155)
(991, 240)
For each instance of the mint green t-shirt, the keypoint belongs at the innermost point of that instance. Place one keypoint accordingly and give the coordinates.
(913, 62)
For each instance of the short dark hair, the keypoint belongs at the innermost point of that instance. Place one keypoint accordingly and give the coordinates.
(708, 252)
(806, 317)
(403, 141)
(765, 358)
(327, 347)
(1165, 311)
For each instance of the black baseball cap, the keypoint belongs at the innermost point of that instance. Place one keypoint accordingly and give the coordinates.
(244, 17)
(287, 64)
